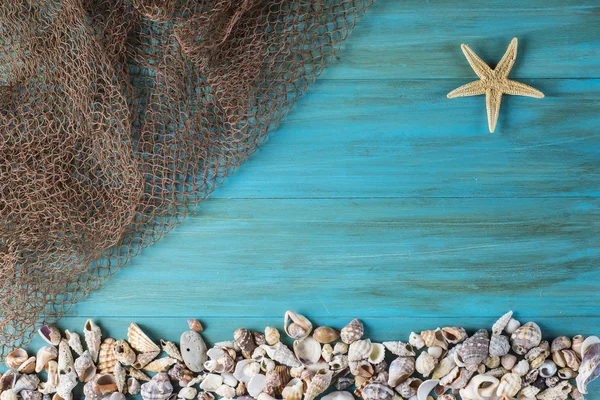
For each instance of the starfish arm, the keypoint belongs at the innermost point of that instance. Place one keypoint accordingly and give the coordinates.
(505, 65)
(479, 66)
(493, 97)
(470, 89)
(520, 89)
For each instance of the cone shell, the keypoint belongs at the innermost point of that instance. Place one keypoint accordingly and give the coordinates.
(45, 355)
(120, 375)
(296, 326)
(15, 358)
(318, 384)
(400, 370)
(28, 366)
(294, 390)
(352, 332)
(277, 379)
(526, 337)
(400, 349)
(325, 334)
(171, 349)
(144, 359)
(559, 392)
(307, 350)
(475, 349)
(499, 325)
(377, 391)
(434, 338)
(359, 350)
(85, 367)
(425, 364)
(93, 337)
(106, 356)
(140, 341)
(510, 384)
(454, 334)
(499, 345)
(137, 374)
(50, 334)
(245, 339)
(195, 325)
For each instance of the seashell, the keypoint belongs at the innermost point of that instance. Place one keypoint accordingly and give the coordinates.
(8, 395)
(324, 334)
(272, 335)
(211, 382)
(104, 384)
(144, 359)
(133, 386)
(267, 364)
(276, 380)
(327, 352)
(339, 395)
(15, 358)
(171, 349)
(193, 350)
(224, 364)
(510, 384)
(283, 355)
(548, 369)
(7, 380)
(114, 396)
(590, 364)
(240, 389)
(560, 343)
(425, 388)
(352, 332)
(343, 382)
(444, 367)
(210, 396)
(106, 356)
(499, 345)
(501, 323)
(159, 388)
(531, 376)
(160, 365)
(512, 326)
(526, 338)
(65, 358)
(120, 377)
(294, 390)
(296, 326)
(481, 387)
(226, 391)
(50, 334)
(497, 372)
(566, 373)
(66, 382)
(492, 362)
(359, 350)
(447, 397)
(528, 392)
(26, 382)
(244, 370)
(256, 384)
(537, 356)
(93, 336)
(28, 366)
(140, 341)
(377, 391)
(45, 355)
(576, 344)
(508, 361)
(461, 380)
(307, 350)
(339, 362)
(318, 384)
(340, 348)
(416, 341)
(522, 368)
(434, 338)
(123, 352)
(245, 340)
(425, 364)
(474, 350)
(400, 349)
(576, 395)
(559, 392)
(551, 381)
(570, 359)
(409, 387)
(74, 341)
(361, 368)
(259, 338)
(195, 325)
(454, 334)
(377, 354)
(400, 370)
(84, 367)
(137, 374)
(31, 395)
(435, 352)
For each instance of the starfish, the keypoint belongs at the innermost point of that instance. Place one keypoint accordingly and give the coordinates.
(493, 82)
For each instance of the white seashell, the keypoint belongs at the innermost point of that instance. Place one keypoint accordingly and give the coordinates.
(416, 340)
(84, 367)
(93, 337)
(559, 392)
(294, 390)
(377, 354)
(409, 387)
(296, 326)
(144, 359)
(425, 364)
(338, 395)
(123, 352)
(188, 393)
(44, 356)
(548, 369)
(400, 349)
(8, 395)
(512, 326)
(317, 385)
(327, 352)
(425, 388)
(434, 338)
(193, 350)
(508, 361)
(66, 382)
(65, 358)
(528, 392)
(226, 391)
(283, 355)
(229, 379)
(359, 350)
(444, 367)
(435, 351)
(74, 341)
(241, 373)
(161, 364)
(502, 322)
(26, 382)
(522, 368)
(171, 349)
(272, 335)
(211, 382)
(256, 384)
(307, 350)
(400, 369)
(340, 348)
(510, 384)
(28, 366)
(50, 334)
(481, 387)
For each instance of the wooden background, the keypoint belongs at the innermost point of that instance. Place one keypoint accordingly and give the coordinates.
(379, 198)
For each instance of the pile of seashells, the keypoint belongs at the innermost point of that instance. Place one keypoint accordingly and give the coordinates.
(513, 363)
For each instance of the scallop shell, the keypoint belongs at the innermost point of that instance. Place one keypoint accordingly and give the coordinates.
(481, 387)
(526, 338)
(590, 364)
(296, 326)
(559, 392)
(522, 368)
(66, 383)
(245, 339)
(104, 384)
(499, 345)
(106, 356)
(510, 384)
(276, 380)
(408, 388)
(84, 367)
(400, 349)
(475, 349)
(325, 334)
(501, 323)
(318, 384)
(195, 325)
(193, 350)
(171, 349)
(160, 365)
(416, 341)
(454, 334)
(15, 358)
(294, 390)
(74, 341)
(140, 341)
(359, 350)
(28, 366)
(444, 367)
(400, 370)
(272, 335)
(123, 352)
(377, 354)
(283, 355)
(26, 382)
(352, 332)
(93, 337)
(120, 376)
(377, 391)
(50, 334)
(65, 358)
(159, 388)
(45, 355)
(307, 350)
(425, 364)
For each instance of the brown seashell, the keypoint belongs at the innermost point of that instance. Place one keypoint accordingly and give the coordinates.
(434, 339)
(294, 390)
(106, 357)
(171, 349)
(84, 366)
(461, 380)
(296, 326)
(408, 388)
(245, 339)
(93, 337)
(137, 374)
(240, 389)
(8, 379)
(566, 373)
(560, 343)
(400, 349)
(571, 359)
(195, 325)
(225, 364)
(272, 335)
(492, 362)
(400, 370)
(104, 384)
(50, 334)
(123, 352)
(160, 365)
(144, 359)
(475, 349)
(526, 337)
(537, 356)
(377, 391)
(352, 332)
(325, 334)
(277, 379)
(318, 384)
(15, 358)
(28, 366)
(454, 334)
(140, 341)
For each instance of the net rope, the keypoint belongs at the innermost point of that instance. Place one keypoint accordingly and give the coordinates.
(118, 116)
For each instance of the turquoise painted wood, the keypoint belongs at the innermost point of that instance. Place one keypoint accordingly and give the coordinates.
(378, 198)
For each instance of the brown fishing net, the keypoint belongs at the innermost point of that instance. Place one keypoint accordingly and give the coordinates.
(118, 116)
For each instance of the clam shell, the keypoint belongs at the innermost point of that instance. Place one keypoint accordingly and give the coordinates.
(325, 334)
(400, 349)
(359, 350)
(400, 370)
(409, 387)
(195, 325)
(159, 388)
(276, 380)
(133, 386)
(74, 341)
(15, 358)
(377, 391)
(50, 334)
(193, 350)
(480, 387)
(296, 326)
(416, 341)
(45, 355)
(318, 384)
(425, 364)
(526, 338)
(160, 365)
(283, 355)
(28, 366)
(120, 376)
(559, 392)
(510, 384)
(307, 350)
(272, 335)
(104, 384)
(140, 341)
(590, 364)
(377, 354)
(84, 367)
(123, 352)
(8, 379)
(352, 332)
(93, 337)
(106, 356)
(144, 359)
(444, 367)
(425, 388)
(294, 390)
(499, 346)
(454, 334)
(499, 325)
(245, 339)
(434, 338)
(475, 349)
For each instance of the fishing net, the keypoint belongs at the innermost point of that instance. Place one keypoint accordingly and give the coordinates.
(118, 116)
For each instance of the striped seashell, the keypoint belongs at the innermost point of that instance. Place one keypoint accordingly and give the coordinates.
(171, 349)
(294, 390)
(144, 359)
(526, 338)
(408, 388)
(510, 384)
(425, 364)
(474, 350)
(160, 365)
(454, 334)
(499, 345)
(140, 341)
(106, 356)
(537, 356)
(359, 350)
(400, 370)
(277, 379)
(318, 384)
(434, 338)
(245, 339)
(159, 388)
(93, 338)
(400, 349)
(501, 323)
(377, 391)
(272, 335)
(352, 332)
(560, 343)
(137, 374)
(195, 325)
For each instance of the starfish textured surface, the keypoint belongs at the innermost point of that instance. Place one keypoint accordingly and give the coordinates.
(493, 82)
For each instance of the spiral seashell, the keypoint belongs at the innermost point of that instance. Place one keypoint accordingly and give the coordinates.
(74, 341)
(501, 323)
(144, 359)
(352, 332)
(499, 345)
(137, 374)
(28, 366)
(296, 326)
(566, 373)
(106, 356)
(359, 350)
(474, 350)
(377, 354)
(171, 349)
(276, 380)
(339, 362)
(537, 356)
(44, 356)
(50, 334)
(559, 392)
(123, 352)
(159, 388)
(133, 386)
(283, 355)
(509, 386)
(571, 359)
(294, 390)
(327, 352)
(461, 380)
(434, 338)
(408, 388)
(548, 369)
(522, 368)
(93, 337)
(454, 334)
(400, 370)
(531, 376)
(425, 364)
(416, 341)
(85, 367)
(245, 339)
(307, 350)
(377, 391)
(526, 338)
(480, 387)
(590, 364)
(160, 365)
(318, 384)
(15, 358)
(560, 343)
(272, 335)
(400, 349)
(528, 392)
(324, 334)
(66, 382)
(576, 343)
(26, 382)
(444, 367)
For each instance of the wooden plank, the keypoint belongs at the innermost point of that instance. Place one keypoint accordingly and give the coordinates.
(367, 257)
(405, 139)
(415, 39)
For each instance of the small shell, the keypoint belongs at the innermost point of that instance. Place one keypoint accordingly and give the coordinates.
(508, 361)
(50, 334)
(327, 352)
(352, 332)
(195, 325)
(140, 341)
(475, 349)
(160, 365)
(45, 355)
(84, 367)
(276, 380)
(256, 384)
(66, 383)
(133, 386)
(497, 372)
(307, 350)
(444, 367)
(400, 349)
(245, 339)
(522, 368)
(408, 388)
(526, 338)
(31, 395)
(226, 391)
(294, 390)
(571, 359)
(106, 356)
(434, 338)
(171, 349)
(425, 364)
(416, 341)
(339, 362)
(340, 348)
(590, 364)
(74, 341)
(123, 352)
(499, 325)
(499, 345)
(296, 326)
(446, 397)
(324, 334)
(259, 338)
(93, 337)
(480, 387)
(144, 359)
(7, 380)
(400, 370)
(8, 395)
(560, 343)
(359, 350)
(461, 380)
(104, 384)
(528, 392)
(566, 373)
(377, 391)
(537, 355)
(559, 392)
(435, 352)
(339, 395)
(361, 368)
(193, 350)
(159, 388)
(377, 354)
(28, 366)
(15, 358)
(492, 362)
(187, 393)
(272, 335)
(576, 344)
(211, 382)
(510, 384)
(454, 334)
(318, 384)
(512, 326)
(425, 388)
(26, 382)
(240, 389)
(343, 382)
(548, 369)
(137, 374)
(283, 355)
(120, 377)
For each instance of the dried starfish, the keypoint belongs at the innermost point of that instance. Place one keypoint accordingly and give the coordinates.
(493, 82)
